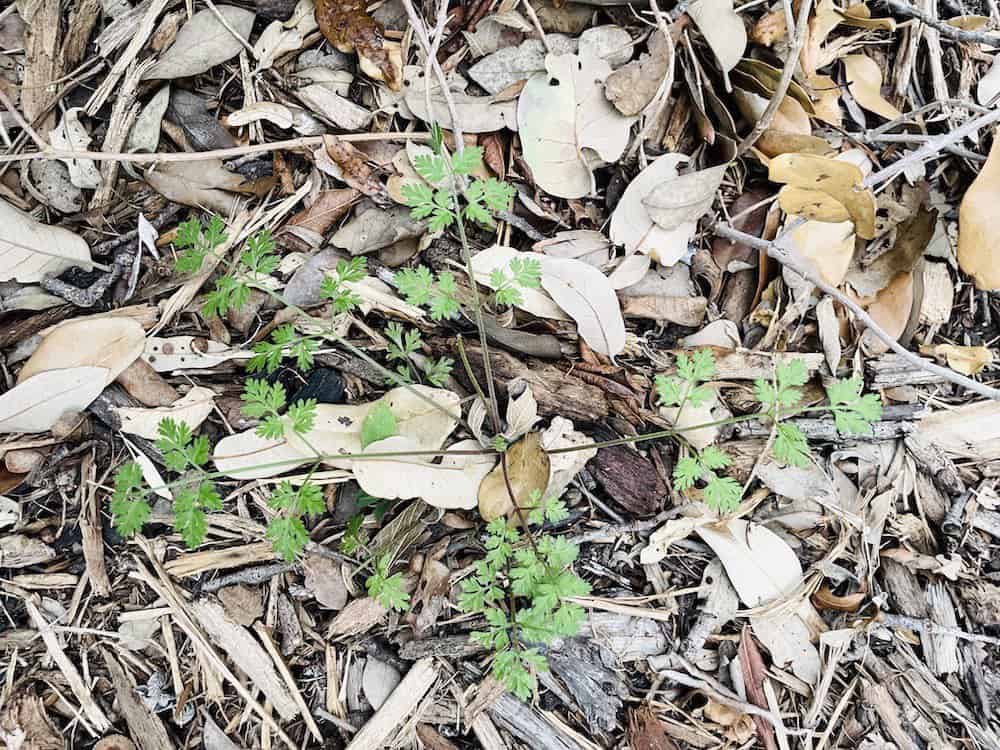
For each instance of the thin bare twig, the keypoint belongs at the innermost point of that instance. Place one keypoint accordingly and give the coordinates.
(784, 256)
(19, 118)
(430, 49)
(291, 144)
(945, 29)
(791, 63)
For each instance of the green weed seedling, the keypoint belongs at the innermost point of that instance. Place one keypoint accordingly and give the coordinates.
(779, 399)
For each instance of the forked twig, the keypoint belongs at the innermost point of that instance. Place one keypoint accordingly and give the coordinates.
(791, 63)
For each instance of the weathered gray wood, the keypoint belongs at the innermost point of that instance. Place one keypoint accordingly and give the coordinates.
(525, 723)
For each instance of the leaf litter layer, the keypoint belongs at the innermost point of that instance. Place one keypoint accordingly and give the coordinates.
(499, 374)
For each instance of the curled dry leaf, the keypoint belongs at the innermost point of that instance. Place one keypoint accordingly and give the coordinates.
(192, 409)
(864, 81)
(109, 343)
(277, 114)
(527, 471)
(683, 199)
(722, 333)
(566, 123)
(348, 27)
(71, 135)
(673, 531)
(633, 227)
(37, 403)
(479, 114)
(722, 28)
(977, 249)
(203, 42)
(30, 250)
(764, 569)
(988, 88)
(891, 310)
(632, 87)
(839, 179)
(453, 483)
(587, 295)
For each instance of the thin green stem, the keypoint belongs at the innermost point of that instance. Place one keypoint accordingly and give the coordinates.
(477, 309)
(360, 353)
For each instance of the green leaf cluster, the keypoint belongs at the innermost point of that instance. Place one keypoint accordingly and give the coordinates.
(521, 589)
(388, 589)
(195, 242)
(686, 386)
(334, 288)
(721, 493)
(264, 401)
(522, 273)
(284, 342)
(419, 287)
(442, 198)
(403, 343)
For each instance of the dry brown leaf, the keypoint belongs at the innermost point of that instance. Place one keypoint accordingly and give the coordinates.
(891, 310)
(109, 343)
(826, 100)
(348, 27)
(564, 121)
(864, 81)
(204, 42)
(683, 199)
(773, 142)
(192, 409)
(829, 247)
(587, 296)
(200, 184)
(722, 28)
(632, 87)
(527, 471)
(453, 483)
(977, 247)
(478, 114)
(25, 725)
(353, 165)
(30, 250)
(968, 360)
(37, 403)
(837, 178)
(632, 225)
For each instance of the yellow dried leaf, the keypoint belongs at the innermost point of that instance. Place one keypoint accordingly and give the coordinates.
(860, 17)
(977, 254)
(773, 142)
(826, 99)
(827, 246)
(968, 360)
(811, 204)
(527, 470)
(968, 23)
(840, 180)
(864, 81)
